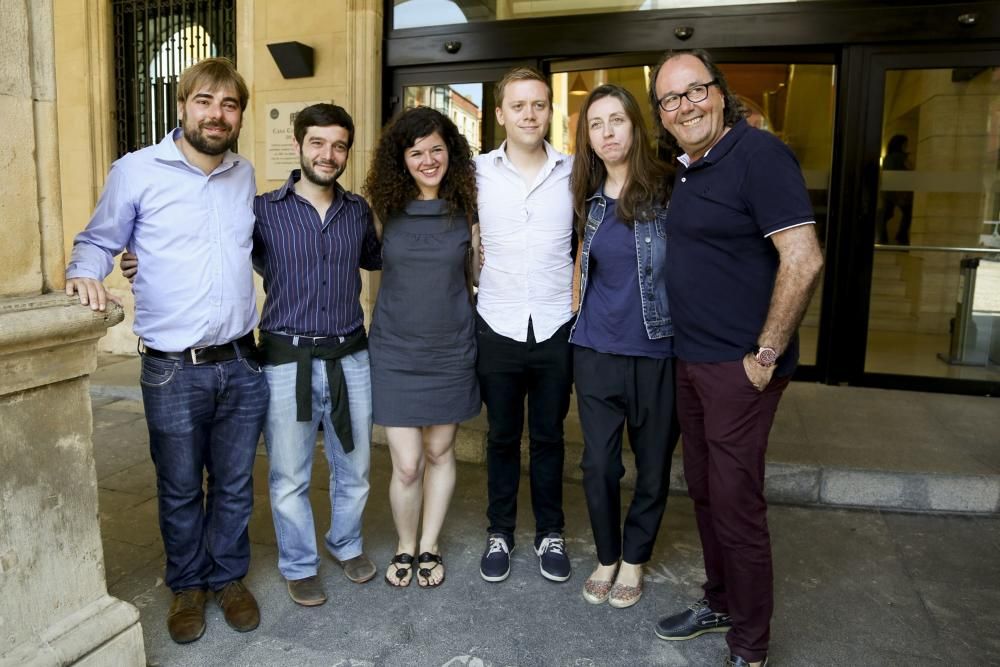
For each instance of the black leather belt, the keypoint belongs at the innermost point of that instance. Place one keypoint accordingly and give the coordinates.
(313, 341)
(209, 354)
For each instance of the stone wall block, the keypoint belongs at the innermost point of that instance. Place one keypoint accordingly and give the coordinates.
(20, 253)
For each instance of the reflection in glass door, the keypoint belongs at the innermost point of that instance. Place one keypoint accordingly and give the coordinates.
(469, 105)
(795, 101)
(935, 291)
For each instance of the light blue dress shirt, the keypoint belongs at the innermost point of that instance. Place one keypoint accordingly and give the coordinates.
(192, 233)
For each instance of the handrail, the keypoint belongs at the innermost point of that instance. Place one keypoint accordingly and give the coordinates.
(905, 248)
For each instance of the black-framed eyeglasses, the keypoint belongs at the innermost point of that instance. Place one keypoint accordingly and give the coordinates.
(694, 94)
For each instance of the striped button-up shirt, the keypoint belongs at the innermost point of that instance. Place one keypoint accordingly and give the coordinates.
(192, 233)
(311, 265)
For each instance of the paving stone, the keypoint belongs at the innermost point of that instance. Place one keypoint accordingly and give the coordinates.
(852, 587)
(120, 446)
(963, 551)
(137, 479)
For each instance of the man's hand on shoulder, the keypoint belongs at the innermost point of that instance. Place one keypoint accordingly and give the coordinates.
(129, 264)
(92, 293)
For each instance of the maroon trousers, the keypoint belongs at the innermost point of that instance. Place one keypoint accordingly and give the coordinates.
(724, 426)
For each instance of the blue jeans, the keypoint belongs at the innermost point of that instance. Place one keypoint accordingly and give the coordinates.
(204, 418)
(290, 447)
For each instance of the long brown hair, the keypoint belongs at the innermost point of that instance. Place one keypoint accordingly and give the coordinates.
(649, 180)
(389, 186)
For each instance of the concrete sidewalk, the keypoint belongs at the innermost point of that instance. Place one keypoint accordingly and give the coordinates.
(830, 446)
(852, 587)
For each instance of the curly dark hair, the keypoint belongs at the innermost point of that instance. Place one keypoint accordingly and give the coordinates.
(389, 186)
(734, 111)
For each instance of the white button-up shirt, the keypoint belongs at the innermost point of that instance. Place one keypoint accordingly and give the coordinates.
(526, 235)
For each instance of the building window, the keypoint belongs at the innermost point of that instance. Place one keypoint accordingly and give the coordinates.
(419, 13)
(155, 40)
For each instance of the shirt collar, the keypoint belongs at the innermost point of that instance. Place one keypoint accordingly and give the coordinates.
(722, 146)
(293, 178)
(553, 157)
(599, 193)
(168, 151)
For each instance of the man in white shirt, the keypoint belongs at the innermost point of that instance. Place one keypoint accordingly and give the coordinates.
(524, 315)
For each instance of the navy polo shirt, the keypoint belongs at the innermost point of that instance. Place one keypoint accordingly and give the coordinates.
(720, 264)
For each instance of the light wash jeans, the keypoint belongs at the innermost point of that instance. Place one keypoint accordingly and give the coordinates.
(290, 447)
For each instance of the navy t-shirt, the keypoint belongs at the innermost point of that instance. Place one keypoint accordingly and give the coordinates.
(720, 264)
(611, 314)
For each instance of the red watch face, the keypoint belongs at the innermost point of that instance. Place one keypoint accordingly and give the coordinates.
(766, 356)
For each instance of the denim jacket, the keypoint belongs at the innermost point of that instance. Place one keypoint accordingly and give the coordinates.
(651, 254)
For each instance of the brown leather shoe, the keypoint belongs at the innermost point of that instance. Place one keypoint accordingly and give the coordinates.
(186, 620)
(358, 569)
(307, 592)
(238, 606)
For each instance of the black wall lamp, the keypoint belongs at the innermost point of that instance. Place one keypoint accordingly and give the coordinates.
(294, 59)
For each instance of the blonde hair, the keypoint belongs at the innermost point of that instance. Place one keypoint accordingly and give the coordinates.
(519, 74)
(214, 74)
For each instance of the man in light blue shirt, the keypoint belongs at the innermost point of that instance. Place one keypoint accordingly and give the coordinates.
(185, 207)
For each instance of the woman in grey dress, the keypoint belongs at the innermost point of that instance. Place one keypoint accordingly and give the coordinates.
(422, 346)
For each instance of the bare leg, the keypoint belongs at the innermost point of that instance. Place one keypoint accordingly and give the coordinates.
(405, 487)
(439, 484)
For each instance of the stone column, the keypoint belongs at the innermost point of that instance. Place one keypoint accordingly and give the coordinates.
(54, 605)
(364, 49)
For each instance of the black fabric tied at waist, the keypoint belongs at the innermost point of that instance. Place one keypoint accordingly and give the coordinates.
(277, 349)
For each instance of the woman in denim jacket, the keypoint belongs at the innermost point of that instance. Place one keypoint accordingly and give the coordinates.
(623, 355)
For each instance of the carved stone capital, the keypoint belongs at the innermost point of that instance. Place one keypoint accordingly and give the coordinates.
(49, 338)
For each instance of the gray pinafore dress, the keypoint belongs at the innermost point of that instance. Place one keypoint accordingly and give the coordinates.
(422, 341)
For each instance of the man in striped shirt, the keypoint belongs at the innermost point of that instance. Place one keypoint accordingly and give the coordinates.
(311, 238)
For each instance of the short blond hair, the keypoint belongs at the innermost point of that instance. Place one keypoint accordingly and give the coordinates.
(213, 74)
(519, 74)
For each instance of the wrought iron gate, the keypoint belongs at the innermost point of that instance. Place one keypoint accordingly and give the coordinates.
(155, 40)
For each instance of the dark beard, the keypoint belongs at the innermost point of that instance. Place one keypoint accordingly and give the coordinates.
(205, 145)
(313, 177)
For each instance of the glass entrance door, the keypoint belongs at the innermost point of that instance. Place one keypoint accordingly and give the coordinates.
(934, 300)
(791, 99)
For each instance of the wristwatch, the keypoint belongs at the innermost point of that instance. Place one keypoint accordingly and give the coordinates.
(765, 356)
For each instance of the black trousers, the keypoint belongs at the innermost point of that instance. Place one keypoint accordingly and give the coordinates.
(508, 371)
(613, 392)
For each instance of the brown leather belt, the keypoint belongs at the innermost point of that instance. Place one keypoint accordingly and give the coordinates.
(245, 346)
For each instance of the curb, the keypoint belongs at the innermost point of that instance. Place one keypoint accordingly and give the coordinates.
(786, 483)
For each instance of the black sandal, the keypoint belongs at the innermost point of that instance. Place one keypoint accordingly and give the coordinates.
(400, 559)
(424, 573)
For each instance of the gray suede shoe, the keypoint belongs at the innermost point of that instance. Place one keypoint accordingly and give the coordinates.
(358, 569)
(307, 592)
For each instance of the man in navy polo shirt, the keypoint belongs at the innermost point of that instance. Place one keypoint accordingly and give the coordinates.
(742, 264)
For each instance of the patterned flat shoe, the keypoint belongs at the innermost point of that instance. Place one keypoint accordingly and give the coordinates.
(622, 596)
(596, 591)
